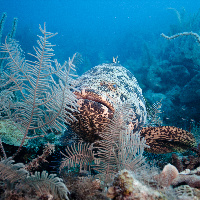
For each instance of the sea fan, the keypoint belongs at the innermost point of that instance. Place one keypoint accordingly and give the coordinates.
(16, 178)
(43, 89)
(119, 147)
(10, 172)
(81, 154)
(48, 184)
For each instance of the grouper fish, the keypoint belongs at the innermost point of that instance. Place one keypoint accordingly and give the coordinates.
(105, 86)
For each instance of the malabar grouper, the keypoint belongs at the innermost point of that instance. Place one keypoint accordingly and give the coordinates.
(105, 86)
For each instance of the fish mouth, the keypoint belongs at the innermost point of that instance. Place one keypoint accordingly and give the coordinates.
(91, 95)
(95, 112)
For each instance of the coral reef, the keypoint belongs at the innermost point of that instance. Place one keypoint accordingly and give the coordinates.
(43, 87)
(191, 180)
(168, 174)
(185, 192)
(171, 71)
(190, 162)
(192, 88)
(10, 134)
(85, 188)
(36, 185)
(118, 149)
(37, 99)
(125, 187)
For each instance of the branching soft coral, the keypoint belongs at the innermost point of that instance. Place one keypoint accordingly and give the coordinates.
(43, 88)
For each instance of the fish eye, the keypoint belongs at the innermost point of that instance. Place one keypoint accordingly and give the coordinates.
(115, 86)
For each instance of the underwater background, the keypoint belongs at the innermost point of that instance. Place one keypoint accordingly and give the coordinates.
(100, 31)
(93, 28)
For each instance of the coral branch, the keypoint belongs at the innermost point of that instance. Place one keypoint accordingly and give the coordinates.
(49, 148)
(2, 149)
(182, 34)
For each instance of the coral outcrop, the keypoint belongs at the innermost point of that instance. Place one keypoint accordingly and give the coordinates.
(125, 186)
(10, 134)
(168, 174)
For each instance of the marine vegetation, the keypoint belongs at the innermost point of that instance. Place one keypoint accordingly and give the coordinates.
(118, 149)
(18, 181)
(171, 71)
(105, 108)
(35, 99)
(42, 88)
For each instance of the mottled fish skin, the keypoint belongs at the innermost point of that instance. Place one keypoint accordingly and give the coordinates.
(101, 89)
(167, 139)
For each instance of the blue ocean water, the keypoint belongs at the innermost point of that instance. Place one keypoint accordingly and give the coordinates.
(102, 29)
(93, 27)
